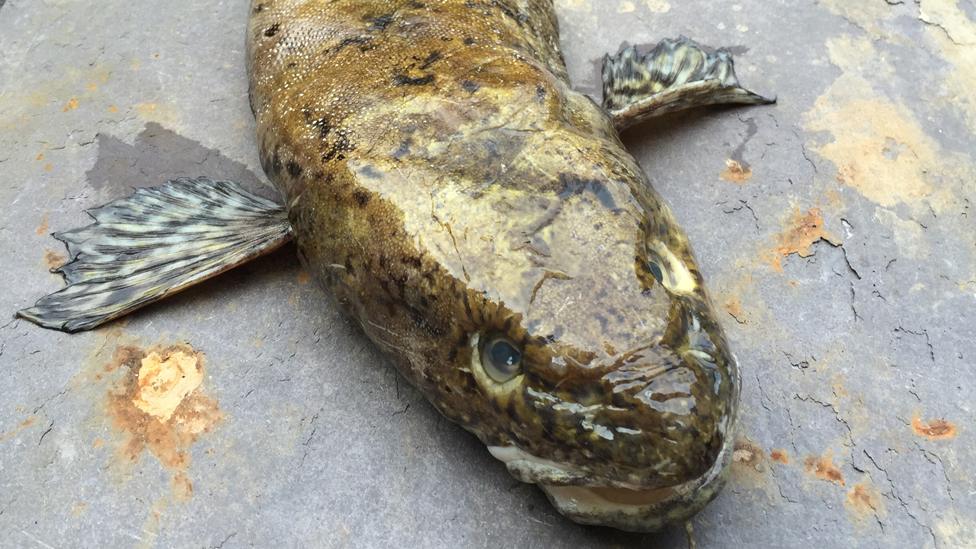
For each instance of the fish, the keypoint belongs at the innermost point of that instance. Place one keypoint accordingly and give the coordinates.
(484, 225)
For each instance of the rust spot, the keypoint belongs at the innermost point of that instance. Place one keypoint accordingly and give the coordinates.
(71, 105)
(39, 157)
(734, 307)
(158, 405)
(802, 231)
(834, 199)
(736, 173)
(146, 109)
(78, 508)
(48, 167)
(53, 259)
(824, 469)
(863, 500)
(44, 227)
(779, 456)
(19, 428)
(304, 277)
(747, 454)
(113, 108)
(936, 429)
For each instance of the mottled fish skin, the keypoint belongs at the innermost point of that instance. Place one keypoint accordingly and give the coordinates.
(447, 184)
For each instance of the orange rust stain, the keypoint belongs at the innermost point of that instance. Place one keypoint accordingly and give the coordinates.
(53, 259)
(44, 227)
(734, 307)
(780, 456)
(864, 500)
(18, 429)
(837, 384)
(746, 454)
(834, 199)
(98, 443)
(71, 105)
(92, 86)
(146, 109)
(113, 108)
(304, 277)
(39, 157)
(48, 167)
(824, 469)
(736, 173)
(936, 429)
(801, 232)
(159, 406)
(182, 486)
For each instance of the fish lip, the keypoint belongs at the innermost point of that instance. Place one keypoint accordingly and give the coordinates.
(587, 503)
(664, 506)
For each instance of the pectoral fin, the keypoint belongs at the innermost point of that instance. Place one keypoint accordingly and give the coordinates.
(154, 243)
(675, 75)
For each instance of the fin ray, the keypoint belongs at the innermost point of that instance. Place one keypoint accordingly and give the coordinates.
(154, 243)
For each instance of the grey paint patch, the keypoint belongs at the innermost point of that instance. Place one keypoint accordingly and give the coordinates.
(159, 154)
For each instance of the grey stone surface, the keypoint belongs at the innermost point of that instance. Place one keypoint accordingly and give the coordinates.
(853, 357)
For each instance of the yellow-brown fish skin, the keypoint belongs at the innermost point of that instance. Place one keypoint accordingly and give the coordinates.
(447, 184)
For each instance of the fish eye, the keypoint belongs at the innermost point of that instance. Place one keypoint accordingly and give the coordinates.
(656, 271)
(501, 358)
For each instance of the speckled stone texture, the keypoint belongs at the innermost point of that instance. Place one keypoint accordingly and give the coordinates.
(836, 231)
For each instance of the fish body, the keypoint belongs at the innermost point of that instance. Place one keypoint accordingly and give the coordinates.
(485, 226)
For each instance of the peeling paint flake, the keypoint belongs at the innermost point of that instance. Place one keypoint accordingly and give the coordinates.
(165, 383)
(736, 172)
(158, 405)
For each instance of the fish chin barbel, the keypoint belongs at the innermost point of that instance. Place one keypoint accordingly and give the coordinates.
(483, 224)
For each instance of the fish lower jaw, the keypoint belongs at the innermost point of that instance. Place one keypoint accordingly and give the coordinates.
(629, 509)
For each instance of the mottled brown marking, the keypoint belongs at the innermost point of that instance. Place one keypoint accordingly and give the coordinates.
(152, 408)
(736, 172)
(823, 468)
(936, 429)
(779, 456)
(71, 105)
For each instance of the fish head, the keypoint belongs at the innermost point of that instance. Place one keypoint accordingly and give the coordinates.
(549, 303)
(610, 382)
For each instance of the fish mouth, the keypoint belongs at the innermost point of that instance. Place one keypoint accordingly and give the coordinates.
(620, 506)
